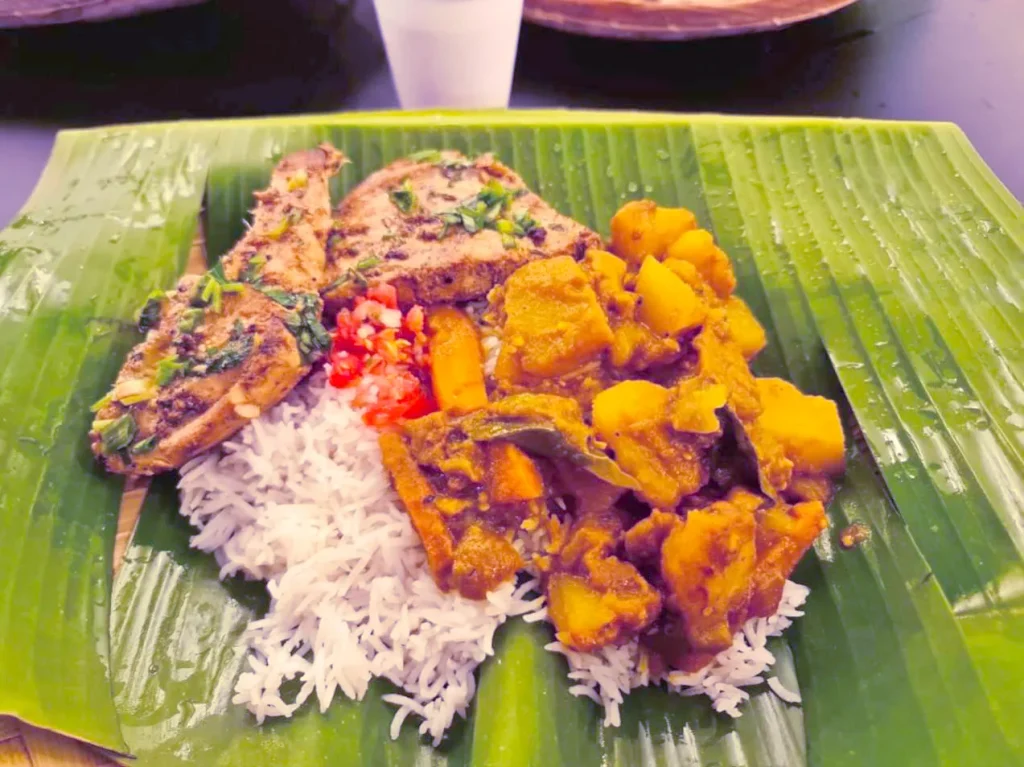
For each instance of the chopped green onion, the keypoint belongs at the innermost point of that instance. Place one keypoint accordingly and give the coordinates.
(149, 314)
(99, 404)
(211, 295)
(253, 268)
(170, 368)
(356, 273)
(190, 319)
(310, 335)
(283, 297)
(238, 347)
(403, 198)
(142, 395)
(118, 434)
(278, 231)
(144, 446)
(426, 155)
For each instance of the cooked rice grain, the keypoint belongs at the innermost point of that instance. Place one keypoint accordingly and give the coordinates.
(299, 498)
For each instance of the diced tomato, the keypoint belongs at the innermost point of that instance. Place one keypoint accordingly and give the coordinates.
(415, 320)
(387, 365)
(384, 294)
(345, 332)
(345, 368)
(420, 405)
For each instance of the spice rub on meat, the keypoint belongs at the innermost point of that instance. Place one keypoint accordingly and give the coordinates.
(443, 228)
(224, 346)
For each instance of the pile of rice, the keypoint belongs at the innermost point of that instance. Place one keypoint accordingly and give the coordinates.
(300, 499)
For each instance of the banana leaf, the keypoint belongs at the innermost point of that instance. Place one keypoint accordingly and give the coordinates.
(885, 262)
(111, 218)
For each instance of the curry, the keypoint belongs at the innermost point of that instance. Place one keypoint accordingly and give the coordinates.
(622, 448)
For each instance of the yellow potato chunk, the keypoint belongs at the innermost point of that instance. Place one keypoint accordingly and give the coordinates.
(784, 533)
(640, 228)
(698, 248)
(695, 405)
(554, 323)
(807, 427)
(483, 561)
(631, 418)
(638, 347)
(720, 361)
(667, 304)
(744, 329)
(595, 599)
(609, 274)
(583, 619)
(685, 271)
(707, 563)
(606, 265)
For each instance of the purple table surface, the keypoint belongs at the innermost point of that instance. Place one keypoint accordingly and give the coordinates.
(955, 60)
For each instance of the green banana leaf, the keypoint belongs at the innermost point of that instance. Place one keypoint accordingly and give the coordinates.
(885, 262)
(111, 218)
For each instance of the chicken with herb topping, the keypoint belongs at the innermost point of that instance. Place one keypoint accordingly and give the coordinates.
(226, 345)
(443, 228)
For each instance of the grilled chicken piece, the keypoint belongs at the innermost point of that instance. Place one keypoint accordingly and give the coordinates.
(285, 245)
(223, 347)
(442, 228)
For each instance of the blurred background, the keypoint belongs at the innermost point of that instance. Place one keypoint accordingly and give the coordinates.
(956, 60)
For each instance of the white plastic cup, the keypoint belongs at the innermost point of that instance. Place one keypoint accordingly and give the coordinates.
(456, 54)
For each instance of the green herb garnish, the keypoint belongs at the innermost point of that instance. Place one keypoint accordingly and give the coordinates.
(485, 210)
(283, 297)
(403, 198)
(149, 314)
(293, 216)
(434, 157)
(170, 368)
(144, 446)
(426, 155)
(190, 319)
(117, 434)
(231, 354)
(253, 267)
(211, 295)
(278, 231)
(212, 286)
(310, 335)
(355, 274)
(99, 404)
(147, 392)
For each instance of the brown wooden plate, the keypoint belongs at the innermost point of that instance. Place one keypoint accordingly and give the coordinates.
(30, 13)
(674, 19)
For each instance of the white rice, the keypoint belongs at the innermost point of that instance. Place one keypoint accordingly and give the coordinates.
(607, 676)
(300, 499)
